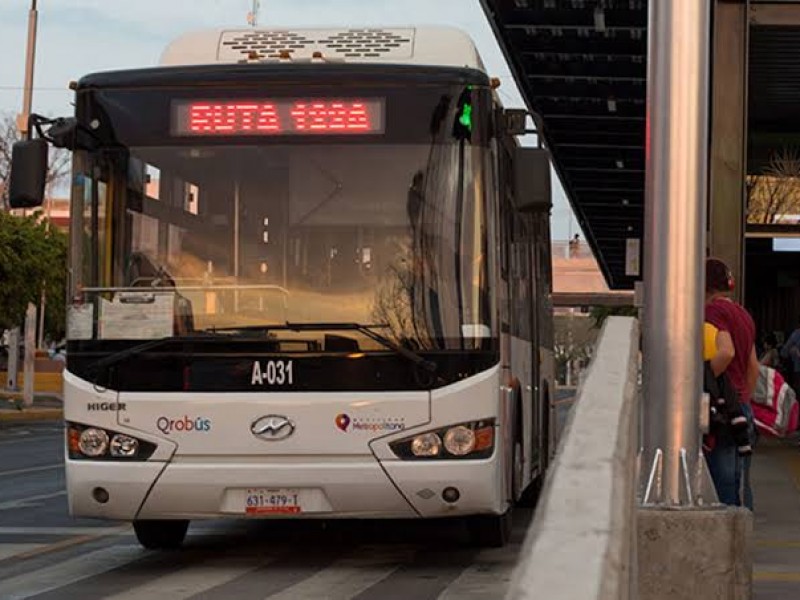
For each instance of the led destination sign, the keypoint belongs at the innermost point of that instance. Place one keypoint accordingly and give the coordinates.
(278, 117)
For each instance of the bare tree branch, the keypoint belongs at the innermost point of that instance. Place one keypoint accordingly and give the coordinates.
(775, 193)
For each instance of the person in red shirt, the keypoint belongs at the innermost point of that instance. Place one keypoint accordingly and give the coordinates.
(732, 318)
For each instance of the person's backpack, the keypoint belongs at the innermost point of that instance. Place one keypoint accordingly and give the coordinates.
(727, 423)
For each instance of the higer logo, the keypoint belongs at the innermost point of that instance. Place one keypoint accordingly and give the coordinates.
(105, 406)
(184, 424)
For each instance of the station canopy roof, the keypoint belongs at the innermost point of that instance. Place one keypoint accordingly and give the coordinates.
(581, 66)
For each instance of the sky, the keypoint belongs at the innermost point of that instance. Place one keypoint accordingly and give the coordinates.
(76, 37)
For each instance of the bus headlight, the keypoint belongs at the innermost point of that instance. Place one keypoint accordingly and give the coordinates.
(93, 442)
(96, 443)
(427, 444)
(124, 445)
(459, 440)
(471, 440)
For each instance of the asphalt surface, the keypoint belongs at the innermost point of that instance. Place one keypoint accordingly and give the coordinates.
(46, 554)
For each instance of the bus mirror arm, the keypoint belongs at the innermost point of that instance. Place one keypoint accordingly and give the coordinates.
(513, 121)
(64, 132)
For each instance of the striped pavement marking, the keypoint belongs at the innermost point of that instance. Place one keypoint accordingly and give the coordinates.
(247, 573)
(288, 567)
(64, 530)
(27, 439)
(14, 472)
(777, 543)
(491, 570)
(12, 550)
(30, 500)
(68, 571)
(71, 541)
(193, 580)
(428, 575)
(348, 577)
(782, 576)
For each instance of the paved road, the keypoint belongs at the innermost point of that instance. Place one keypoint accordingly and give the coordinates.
(45, 554)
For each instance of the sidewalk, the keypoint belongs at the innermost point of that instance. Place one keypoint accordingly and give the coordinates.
(45, 408)
(776, 489)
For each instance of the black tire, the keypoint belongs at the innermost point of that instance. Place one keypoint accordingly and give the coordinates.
(494, 531)
(490, 531)
(530, 497)
(160, 535)
(545, 461)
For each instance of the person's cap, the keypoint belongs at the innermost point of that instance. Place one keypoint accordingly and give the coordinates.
(718, 276)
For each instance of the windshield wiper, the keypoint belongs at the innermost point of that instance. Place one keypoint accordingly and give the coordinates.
(368, 331)
(117, 357)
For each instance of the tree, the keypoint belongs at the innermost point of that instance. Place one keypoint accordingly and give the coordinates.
(59, 158)
(32, 255)
(776, 192)
(572, 347)
(394, 302)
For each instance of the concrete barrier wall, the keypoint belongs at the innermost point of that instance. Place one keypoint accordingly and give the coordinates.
(582, 542)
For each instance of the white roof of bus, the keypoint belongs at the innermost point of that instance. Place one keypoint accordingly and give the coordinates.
(441, 46)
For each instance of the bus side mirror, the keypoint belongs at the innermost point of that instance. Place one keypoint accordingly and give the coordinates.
(532, 190)
(28, 173)
(515, 121)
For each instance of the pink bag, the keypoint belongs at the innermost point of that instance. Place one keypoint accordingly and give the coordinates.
(775, 408)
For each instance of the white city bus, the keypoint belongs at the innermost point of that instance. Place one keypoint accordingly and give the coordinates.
(309, 278)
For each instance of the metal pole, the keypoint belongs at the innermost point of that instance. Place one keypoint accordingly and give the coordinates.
(43, 298)
(30, 346)
(252, 16)
(30, 60)
(12, 383)
(675, 213)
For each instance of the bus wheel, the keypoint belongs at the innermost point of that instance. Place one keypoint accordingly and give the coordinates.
(160, 535)
(530, 497)
(517, 474)
(492, 531)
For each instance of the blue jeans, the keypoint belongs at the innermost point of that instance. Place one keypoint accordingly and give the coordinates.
(725, 468)
(744, 462)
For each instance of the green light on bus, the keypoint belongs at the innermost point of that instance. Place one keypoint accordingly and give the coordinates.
(466, 116)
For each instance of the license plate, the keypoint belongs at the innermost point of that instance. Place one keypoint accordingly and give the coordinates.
(260, 501)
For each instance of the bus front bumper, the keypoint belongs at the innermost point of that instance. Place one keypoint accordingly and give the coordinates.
(358, 487)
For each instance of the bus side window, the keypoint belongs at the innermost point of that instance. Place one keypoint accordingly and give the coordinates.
(506, 211)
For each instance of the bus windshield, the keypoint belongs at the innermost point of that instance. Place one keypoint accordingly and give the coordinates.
(229, 237)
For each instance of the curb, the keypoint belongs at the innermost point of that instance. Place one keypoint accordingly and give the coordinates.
(31, 414)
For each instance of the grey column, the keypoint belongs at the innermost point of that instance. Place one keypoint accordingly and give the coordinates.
(675, 209)
(30, 62)
(728, 167)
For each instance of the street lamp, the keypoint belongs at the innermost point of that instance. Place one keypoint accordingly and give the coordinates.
(24, 118)
(30, 60)
(22, 126)
(252, 16)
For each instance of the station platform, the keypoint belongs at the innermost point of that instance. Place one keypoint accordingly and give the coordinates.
(775, 477)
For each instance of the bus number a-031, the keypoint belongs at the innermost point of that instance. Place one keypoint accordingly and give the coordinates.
(272, 372)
